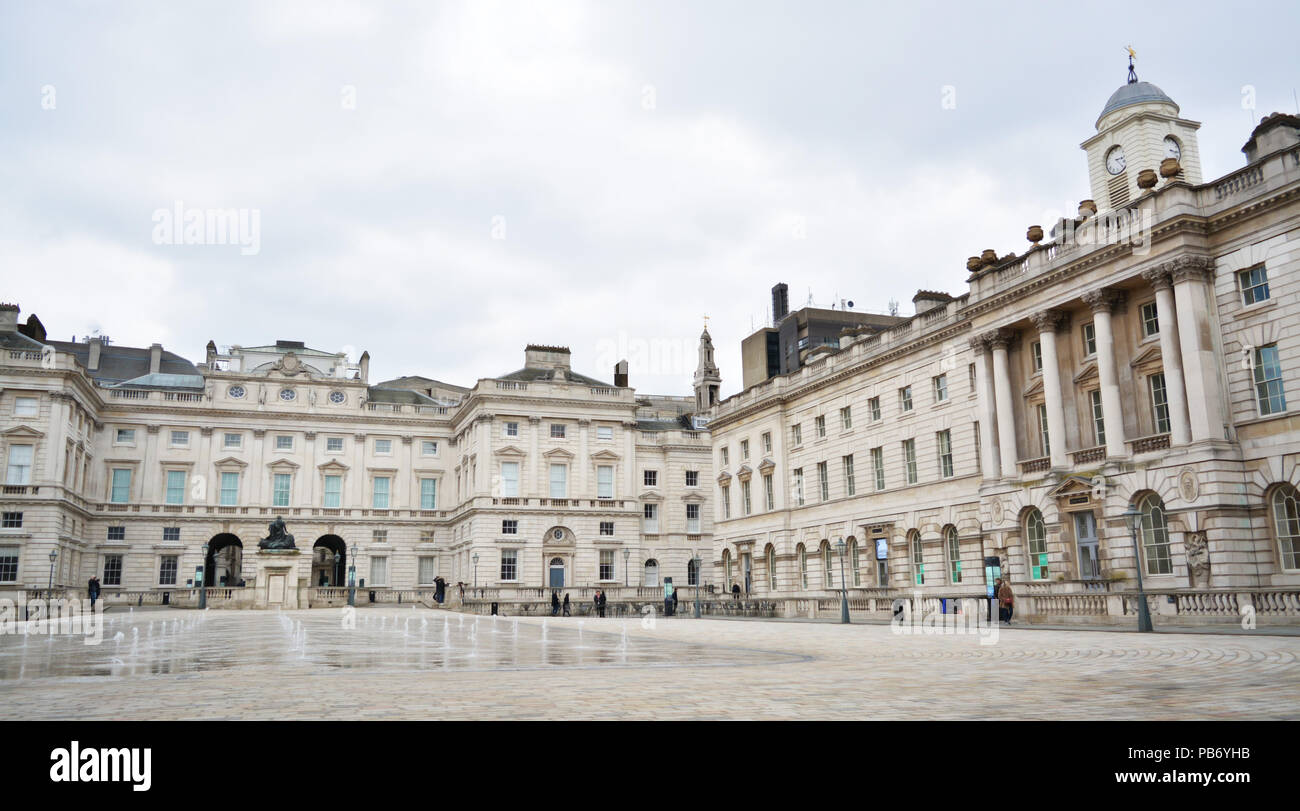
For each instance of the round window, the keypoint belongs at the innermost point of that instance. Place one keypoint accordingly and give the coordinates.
(558, 534)
(288, 394)
(236, 392)
(337, 397)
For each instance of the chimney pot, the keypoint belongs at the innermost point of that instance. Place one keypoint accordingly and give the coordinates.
(155, 359)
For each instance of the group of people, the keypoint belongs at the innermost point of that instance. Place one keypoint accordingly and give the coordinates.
(558, 606)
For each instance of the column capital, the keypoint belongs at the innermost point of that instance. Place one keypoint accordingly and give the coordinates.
(978, 344)
(1189, 268)
(999, 338)
(1158, 277)
(1102, 300)
(1048, 320)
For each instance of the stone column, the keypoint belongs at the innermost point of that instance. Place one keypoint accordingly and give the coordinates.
(357, 485)
(149, 487)
(989, 461)
(1200, 366)
(1171, 355)
(1112, 408)
(534, 486)
(260, 478)
(404, 479)
(999, 339)
(1047, 322)
(56, 444)
(309, 472)
(204, 477)
(580, 483)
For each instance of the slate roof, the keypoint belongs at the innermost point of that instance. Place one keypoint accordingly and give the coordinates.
(118, 364)
(528, 375)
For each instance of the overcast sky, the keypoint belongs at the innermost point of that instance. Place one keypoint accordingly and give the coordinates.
(442, 183)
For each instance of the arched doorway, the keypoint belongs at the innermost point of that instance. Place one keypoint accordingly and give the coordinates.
(555, 571)
(325, 569)
(651, 573)
(225, 561)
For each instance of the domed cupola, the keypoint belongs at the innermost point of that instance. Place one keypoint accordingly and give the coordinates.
(1134, 93)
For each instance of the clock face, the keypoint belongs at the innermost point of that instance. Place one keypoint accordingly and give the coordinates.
(1115, 160)
(1172, 149)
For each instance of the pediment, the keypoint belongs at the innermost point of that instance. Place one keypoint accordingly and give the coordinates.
(1150, 355)
(230, 461)
(693, 498)
(1035, 387)
(1070, 486)
(745, 472)
(1087, 373)
(509, 450)
(606, 455)
(558, 453)
(282, 464)
(332, 466)
(22, 431)
(724, 479)
(766, 466)
(649, 496)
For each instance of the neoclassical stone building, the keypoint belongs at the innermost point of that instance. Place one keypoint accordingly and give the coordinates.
(128, 463)
(1143, 353)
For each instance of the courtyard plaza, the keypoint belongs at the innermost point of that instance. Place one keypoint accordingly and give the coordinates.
(416, 663)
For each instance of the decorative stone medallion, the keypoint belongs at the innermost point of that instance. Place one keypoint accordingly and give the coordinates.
(1188, 485)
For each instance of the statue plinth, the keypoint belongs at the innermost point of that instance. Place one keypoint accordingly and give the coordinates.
(279, 582)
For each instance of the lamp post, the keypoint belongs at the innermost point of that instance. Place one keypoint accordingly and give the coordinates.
(699, 580)
(202, 578)
(474, 558)
(54, 555)
(352, 579)
(844, 586)
(335, 573)
(627, 576)
(1133, 517)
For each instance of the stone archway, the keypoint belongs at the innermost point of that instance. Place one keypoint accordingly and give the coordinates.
(224, 562)
(323, 562)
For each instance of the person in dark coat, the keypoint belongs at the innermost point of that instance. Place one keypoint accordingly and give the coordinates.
(555, 604)
(1006, 602)
(601, 601)
(439, 589)
(735, 591)
(92, 590)
(566, 605)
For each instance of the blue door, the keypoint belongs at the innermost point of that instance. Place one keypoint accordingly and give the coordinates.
(557, 573)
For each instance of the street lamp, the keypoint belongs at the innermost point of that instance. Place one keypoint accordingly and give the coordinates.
(335, 573)
(54, 555)
(698, 581)
(352, 579)
(1133, 517)
(844, 586)
(202, 578)
(627, 553)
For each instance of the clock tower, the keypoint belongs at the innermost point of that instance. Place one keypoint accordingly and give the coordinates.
(1137, 129)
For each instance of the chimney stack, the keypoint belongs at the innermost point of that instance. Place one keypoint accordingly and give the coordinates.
(365, 366)
(780, 302)
(211, 352)
(8, 317)
(620, 374)
(92, 362)
(155, 359)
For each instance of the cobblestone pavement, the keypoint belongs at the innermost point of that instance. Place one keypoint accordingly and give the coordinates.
(403, 663)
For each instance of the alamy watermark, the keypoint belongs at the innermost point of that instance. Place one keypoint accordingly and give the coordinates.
(179, 225)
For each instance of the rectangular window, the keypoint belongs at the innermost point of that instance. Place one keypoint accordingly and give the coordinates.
(1089, 340)
(692, 478)
(510, 565)
(798, 486)
(725, 456)
(650, 512)
(167, 567)
(283, 443)
(232, 441)
(744, 494)
(25, 406)
(333, 491)
(20, 465)
(379, 571)
(280, 493)
(112, 570)
(945, 454)
(229, 489)
(428, 570)
(509, 479)
(1044, 440)
(1268, 381)
(878, 465)
(796, 435)
(180, 438)
(121, 485)
(605, 481)
(428, 494)
(171, 534)
(511, 429)
(651, 478)
(905, 399)
(850, 488)
(767, 442)
(1036, 352)
(125, 436)
(726, 503)
(383, 447)
(607, 528)
(744, 449)
(605, 433)
(692, 519)
(820, 422)
(607, 564)
(557, 431)
(909, 459)
(379, 493)
(559, 481)
(11, 520)
(846, 418)
(1159, 403)
(873, 405)
(379, 536)
(509, 526)
(8, 564)
(334, 444)
(428, 447)
(769, 491)
(940, 385)
(117, 533)
(175, 487)
(823, 480)
(1254, 285)
(1150, 320)
(1098, 421)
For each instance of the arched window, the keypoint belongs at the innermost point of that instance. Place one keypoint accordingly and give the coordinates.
(1155, 535)
(652, 572)
(802, 553)
(952, 548)
(853, 562)
(726, 568)
(1286, 525)
(692, 574)
(771, 568)
(918, 557)
(1036, 544)
(828, 566)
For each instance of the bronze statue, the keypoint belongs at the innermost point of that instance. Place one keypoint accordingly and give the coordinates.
(276, 537)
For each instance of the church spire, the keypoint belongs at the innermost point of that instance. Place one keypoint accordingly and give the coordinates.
(708, 379)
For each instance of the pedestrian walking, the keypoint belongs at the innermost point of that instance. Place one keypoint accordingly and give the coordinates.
(604, 598)
(555, 604)
(1006, 601)
(735, 591)
(92, 590)
(566, 605)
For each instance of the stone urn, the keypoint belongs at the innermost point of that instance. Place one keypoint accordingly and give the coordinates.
(989, 257)
(1087, 208)
(1169, 168)
(1034, 234)
(1147, 179)
(974, 263)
